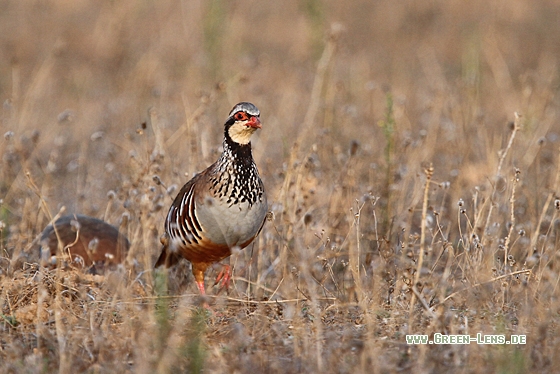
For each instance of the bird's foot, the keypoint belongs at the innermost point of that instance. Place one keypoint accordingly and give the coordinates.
(224, 277)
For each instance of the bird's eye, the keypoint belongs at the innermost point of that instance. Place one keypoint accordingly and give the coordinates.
(241, 116)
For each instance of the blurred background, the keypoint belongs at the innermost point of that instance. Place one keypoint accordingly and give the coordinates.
(77, 79)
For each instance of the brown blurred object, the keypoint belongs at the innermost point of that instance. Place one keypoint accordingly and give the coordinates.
(91, 243)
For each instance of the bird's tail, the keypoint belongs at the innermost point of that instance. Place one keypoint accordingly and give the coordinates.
(167, 257)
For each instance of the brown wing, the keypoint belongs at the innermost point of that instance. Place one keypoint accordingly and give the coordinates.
(183, 233)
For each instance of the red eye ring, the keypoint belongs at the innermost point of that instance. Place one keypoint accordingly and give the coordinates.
(241, 116)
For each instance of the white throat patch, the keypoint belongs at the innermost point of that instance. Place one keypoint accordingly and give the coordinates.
(241, 133)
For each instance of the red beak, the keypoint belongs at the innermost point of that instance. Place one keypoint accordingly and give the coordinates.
(254, 122)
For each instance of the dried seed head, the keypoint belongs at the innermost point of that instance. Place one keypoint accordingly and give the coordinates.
(111, 194)
(92, 245)
(460, 202)
(75, 225)
(157, 207)
(97, 135)
(522, 232)
(66, 116)
(125, 218)
(270, 216)
(532, 261)
(8, 135)
(307, 219)
(557, 204)
(79, 260)
(354, 146)
(171, 189)
(35, 136)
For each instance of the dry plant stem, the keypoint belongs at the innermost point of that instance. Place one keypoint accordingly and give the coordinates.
(38, 83)
(443, 282)
(64, 364)
(140, 300)
(499, 171)
(423, 302)
(544, 211)
(158, 133)
(192, 118)
(310, 115)
(37, 192)
(308, 122)
(318, 84)
(525, 271)
(512, 218)
(283, 194)
(45, 208)
(476, 210)
(443, 248)
(16, 84)
(70, 245)
(254, 285)
(300, 172)
(287, 209)
(429, 173)
(545, 264)
(354, 256)
(317, 323)
(175, 340)
(311, 294)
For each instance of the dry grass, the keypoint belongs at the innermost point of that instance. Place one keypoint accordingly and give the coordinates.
(407, 195)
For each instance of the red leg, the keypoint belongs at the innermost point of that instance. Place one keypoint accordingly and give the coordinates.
(224, 277)
(200, 286)
(198, 270)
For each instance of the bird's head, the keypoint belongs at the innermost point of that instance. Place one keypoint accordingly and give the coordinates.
(242, 122)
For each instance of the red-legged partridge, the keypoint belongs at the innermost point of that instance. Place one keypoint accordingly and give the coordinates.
(221, 208)
(86, 242)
